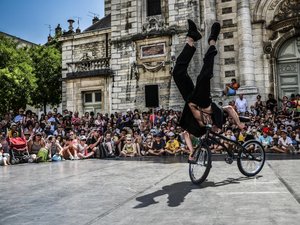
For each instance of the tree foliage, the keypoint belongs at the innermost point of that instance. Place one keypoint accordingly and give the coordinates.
(47, 69)
(17, 79)
(29, 75)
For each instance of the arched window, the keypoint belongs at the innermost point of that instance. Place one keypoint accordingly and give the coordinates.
(153, 7)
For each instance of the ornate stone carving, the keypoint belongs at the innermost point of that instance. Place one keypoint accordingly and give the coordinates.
(153, 23)
(267, 47)
(287, 9)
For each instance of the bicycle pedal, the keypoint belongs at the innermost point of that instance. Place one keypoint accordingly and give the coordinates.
(229, 160)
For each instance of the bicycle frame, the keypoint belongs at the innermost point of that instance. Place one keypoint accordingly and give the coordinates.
(211, 136)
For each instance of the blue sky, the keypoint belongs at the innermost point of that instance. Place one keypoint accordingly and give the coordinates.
(30, 19)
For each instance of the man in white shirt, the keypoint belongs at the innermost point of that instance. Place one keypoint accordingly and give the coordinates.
(241, 105)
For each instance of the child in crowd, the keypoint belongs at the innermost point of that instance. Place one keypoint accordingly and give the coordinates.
(129, 149)
(4, 157)
(172, 146)
(158, 146)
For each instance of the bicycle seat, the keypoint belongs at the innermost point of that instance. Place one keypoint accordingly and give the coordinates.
(244, 119)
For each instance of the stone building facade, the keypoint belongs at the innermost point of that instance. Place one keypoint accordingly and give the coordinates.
(86, 73)
(259, 45)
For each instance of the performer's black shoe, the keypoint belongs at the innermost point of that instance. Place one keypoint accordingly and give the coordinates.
(193, 31)
(214, 32)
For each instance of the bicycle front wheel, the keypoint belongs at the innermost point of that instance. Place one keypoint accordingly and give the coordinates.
(200, 169)
(251, 158)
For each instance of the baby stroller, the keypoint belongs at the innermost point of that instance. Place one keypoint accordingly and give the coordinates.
(19, 150)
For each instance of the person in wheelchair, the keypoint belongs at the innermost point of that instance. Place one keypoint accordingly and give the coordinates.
(199, 110)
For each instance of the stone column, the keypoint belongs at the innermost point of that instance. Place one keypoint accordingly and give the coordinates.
(210, 17)
(246, 53)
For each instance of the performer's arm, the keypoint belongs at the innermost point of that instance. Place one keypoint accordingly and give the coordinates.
(232, 113)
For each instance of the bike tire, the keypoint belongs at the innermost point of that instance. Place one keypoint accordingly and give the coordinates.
(252, 155)
(203, 164)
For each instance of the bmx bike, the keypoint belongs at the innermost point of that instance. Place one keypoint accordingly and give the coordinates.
(250, 156)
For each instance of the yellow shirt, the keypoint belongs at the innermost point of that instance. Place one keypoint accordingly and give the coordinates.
(172, 145)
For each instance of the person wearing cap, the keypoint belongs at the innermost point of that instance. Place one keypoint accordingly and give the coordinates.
(129, 149)
(285, 144)
(82, 148)
(172, 145)
(199, 110)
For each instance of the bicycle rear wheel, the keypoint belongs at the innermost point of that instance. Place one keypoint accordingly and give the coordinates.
(200, 169)
(251, 158)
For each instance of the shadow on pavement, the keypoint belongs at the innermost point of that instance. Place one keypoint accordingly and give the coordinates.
(178, 191)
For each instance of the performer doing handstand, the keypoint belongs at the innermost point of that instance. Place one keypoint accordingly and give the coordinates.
(199, 109)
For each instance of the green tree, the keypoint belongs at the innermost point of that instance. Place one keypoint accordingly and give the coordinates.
(17, 79)
(47, 68)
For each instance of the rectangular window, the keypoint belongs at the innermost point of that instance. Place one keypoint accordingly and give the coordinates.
(227, 10)
(88, 97)
(230, 73)
(92, 101)
(228, 48)
(228, 35)
(97, 96)
(153, 7)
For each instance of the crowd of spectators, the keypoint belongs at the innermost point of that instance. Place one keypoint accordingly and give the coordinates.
(60, 136)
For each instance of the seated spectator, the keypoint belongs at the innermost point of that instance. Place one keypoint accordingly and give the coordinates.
(230, 89)
(94, 140)
(138, 141)
(82, 148)
(172, 145)
(34, 145)
(129, 149)
(109, 144)
(69, 150)
(285, 144)
(54, 149)
(147, 145)
(266, 141)
(4, 157)
(158, 146)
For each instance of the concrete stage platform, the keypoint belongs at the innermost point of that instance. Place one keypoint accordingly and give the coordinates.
(149, 191)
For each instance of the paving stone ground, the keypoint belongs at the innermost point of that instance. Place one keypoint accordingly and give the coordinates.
(152, 191)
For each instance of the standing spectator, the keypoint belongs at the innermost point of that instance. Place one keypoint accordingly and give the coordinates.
(271, 103)
(241, 104)
(258, 105)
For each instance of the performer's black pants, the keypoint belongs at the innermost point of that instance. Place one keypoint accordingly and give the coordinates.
(200, 95)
